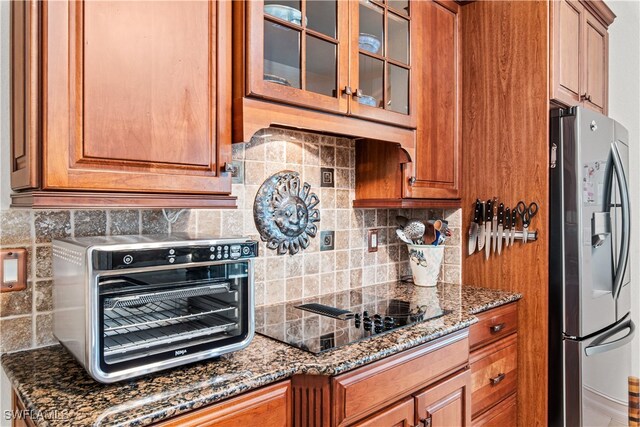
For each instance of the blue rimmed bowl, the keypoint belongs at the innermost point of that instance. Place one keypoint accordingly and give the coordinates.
(369, 42)
(285, 13)
(368, 100)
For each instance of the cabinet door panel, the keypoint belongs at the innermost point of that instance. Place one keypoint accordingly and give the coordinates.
(133, 99)
(596, 64)
(385, 61)
(296, 60)
(569, 50)
(436, 165)
(447, 403)
(399, 415)
(146, 90)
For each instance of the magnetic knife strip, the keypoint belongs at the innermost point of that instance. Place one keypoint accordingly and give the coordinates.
(495, 226)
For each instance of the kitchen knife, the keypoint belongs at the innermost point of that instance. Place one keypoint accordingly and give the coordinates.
(481, 230)
(514, 220)
(500, 227)
(494, 226)
(487, 228)
(507, 226)
(473, 228)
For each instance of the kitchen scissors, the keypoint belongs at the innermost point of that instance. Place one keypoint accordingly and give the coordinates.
(526, 213)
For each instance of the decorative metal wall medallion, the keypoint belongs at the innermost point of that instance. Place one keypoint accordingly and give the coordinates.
(284, 212)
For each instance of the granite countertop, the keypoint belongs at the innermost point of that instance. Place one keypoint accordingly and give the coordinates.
(58, 392)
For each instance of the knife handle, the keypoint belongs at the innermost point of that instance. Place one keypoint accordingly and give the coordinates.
(476, 212)
(514, 218)
(507, 219)
(500, 213)
(489, 210)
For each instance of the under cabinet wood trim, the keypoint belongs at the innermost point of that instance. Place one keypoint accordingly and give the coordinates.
(91, 200)
(271, 405)
(251, 115)
(410, 370)
(406, 203)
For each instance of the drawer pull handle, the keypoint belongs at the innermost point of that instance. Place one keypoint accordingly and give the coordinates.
(497, 328)
(497, 379)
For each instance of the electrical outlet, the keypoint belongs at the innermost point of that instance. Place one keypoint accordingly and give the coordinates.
(13, 270)
(372, 240)
(326, 240)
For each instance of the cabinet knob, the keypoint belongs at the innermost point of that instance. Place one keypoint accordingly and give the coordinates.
(426, 422)
(412, 181)
(347, 90)
(497, 328)
(585, 97)
(358, 93)
(497, 379)
(230, 168)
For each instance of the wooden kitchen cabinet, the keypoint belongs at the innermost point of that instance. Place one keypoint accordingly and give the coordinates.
(580, 53)
(121, 104)
(430, 175)
(399, 415)
(493, 362)
(269, 406)
(350, 58)
(447, 403)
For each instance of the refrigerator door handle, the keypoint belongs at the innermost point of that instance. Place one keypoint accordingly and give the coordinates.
(626, 216)
(599, 346)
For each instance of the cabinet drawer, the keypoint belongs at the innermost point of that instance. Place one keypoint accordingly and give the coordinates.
(364, 390)
(503, 414)
(271, 405)
(493, 325)
(493, 374)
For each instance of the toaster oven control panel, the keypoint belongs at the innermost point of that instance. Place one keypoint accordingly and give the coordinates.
(151, 257)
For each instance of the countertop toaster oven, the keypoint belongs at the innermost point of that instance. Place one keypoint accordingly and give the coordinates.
(126, 306)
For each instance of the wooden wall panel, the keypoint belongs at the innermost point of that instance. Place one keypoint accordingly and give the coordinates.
(505, 133)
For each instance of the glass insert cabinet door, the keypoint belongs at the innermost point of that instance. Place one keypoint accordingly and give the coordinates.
(383, 41)
(297, 52)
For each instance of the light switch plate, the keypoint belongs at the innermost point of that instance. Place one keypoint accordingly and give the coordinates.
(13, 271)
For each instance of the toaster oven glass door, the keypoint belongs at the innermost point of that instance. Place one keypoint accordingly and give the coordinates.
(166, 313)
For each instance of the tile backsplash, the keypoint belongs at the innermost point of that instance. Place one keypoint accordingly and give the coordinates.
(26, 316)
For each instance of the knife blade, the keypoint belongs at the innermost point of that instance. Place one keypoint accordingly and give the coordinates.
(473, 228)
(494, 226)
(487, 228)
(507, 227)
(500, 227)
(481, 230)
(514, 220)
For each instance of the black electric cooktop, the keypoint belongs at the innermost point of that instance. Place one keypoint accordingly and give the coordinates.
(370, 314)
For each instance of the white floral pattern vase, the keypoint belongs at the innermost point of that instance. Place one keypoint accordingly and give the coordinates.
(425, 263)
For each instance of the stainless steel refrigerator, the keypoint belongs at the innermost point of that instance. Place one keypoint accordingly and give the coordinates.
(590, 327)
